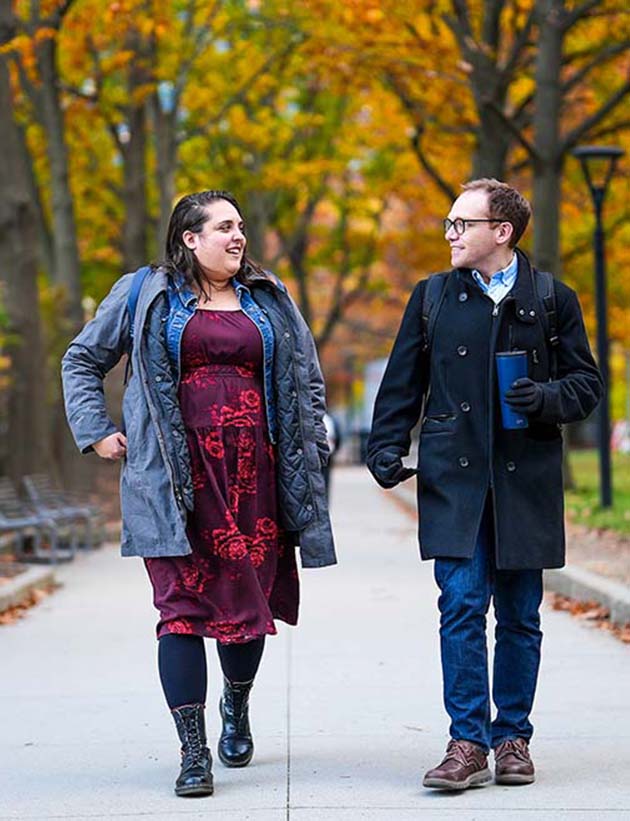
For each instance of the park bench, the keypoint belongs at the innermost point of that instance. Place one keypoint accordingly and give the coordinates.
(37, 537)
(64, 507)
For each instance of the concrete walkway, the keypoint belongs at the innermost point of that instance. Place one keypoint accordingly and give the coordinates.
(347, 710)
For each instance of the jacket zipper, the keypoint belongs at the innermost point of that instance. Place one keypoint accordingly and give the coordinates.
(160, 436)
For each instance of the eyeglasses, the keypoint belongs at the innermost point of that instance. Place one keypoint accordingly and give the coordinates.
(460, 225)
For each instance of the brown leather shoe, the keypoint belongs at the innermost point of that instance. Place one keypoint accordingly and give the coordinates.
(513, 764)
(464, 765)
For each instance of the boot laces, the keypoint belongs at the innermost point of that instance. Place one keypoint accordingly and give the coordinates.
(194, 749)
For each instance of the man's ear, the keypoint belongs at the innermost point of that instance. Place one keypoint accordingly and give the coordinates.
(505, 232)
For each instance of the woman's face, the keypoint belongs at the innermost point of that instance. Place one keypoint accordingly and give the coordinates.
(220, 245)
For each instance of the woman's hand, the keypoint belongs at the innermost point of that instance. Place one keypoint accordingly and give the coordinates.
(112, 447)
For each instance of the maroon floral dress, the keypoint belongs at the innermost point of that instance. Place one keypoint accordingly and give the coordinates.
(242, 571)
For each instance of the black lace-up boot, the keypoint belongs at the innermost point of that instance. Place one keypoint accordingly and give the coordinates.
(195, 777)
(236, 746)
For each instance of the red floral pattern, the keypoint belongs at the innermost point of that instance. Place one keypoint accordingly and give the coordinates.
(242, 572)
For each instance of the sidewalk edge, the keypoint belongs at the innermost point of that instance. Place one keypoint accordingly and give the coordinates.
(15, 590)
(572, 581)
(584, 585)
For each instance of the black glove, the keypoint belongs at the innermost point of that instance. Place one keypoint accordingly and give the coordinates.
(525, 396)
(388, 469)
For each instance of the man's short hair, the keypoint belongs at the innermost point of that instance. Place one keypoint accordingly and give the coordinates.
(504, 203)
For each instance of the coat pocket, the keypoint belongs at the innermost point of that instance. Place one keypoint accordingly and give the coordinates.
(438, 423)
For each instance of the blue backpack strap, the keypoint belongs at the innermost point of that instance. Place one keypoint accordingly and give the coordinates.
(134, 293)
(132, 303)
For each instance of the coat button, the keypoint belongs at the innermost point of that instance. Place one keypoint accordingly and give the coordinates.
(521, 311)
(532, 313)
(465, 407)
(158, 378)
(309, 507)
(463, 296)
(300, 451)
(287, 335)
(511, 467)
(294, 394)
(463, 461)
(462, 350)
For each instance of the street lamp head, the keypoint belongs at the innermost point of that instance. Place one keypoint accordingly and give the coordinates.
(599, 151)
(598, 164)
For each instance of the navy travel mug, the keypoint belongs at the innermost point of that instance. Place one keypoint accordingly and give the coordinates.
(511, 365)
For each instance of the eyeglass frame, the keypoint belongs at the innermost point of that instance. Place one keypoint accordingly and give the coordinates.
(449, 223)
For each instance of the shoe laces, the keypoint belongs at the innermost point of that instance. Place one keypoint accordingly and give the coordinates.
(461, 751)
(513, 746)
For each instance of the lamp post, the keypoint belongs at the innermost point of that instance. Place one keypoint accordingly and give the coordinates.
(598, 164)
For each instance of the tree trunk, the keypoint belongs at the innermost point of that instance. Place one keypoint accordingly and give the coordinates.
(66, 265)
(133, 147)
(45, 248)
(27, 434)
(257, 211)
(493, 139)
(548, 160)
(134, 192)
(166, 162)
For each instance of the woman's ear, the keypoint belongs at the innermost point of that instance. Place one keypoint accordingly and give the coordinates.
(189, 238)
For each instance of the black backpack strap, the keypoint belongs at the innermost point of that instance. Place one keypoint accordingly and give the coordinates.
(547, 296)
(431, 304)
(132, 302)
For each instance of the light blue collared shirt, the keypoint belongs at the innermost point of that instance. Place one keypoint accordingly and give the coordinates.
(500, 283)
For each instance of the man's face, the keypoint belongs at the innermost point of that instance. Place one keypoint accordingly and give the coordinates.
(480, 240)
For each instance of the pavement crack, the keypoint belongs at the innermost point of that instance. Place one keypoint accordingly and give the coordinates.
(289, 674)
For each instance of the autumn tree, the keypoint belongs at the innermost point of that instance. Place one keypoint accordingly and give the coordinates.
(27, 432)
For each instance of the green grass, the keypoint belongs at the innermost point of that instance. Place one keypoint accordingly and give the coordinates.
(583, 502)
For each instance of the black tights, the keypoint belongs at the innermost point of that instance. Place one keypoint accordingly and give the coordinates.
(182, 665)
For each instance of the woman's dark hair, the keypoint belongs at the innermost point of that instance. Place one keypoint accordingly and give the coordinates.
(191, 214)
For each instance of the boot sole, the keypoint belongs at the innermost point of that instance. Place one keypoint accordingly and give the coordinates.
(479, 779)
(191, 792)
(514, 779)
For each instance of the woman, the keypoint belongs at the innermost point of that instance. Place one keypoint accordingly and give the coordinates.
(223, 446)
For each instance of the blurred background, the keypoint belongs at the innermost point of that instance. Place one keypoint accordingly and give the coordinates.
(344, 129)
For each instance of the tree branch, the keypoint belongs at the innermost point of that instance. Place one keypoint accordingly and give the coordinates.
(600, 58)
(520, 41)
(578, 13)
(576, 134)
(514, 130)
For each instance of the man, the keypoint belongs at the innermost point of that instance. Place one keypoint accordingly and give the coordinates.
(490, 500)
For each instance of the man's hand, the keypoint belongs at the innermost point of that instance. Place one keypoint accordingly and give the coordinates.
(525, 396)
(112, 447)
(388, 469)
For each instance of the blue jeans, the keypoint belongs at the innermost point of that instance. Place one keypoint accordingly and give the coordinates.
(466, 586)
